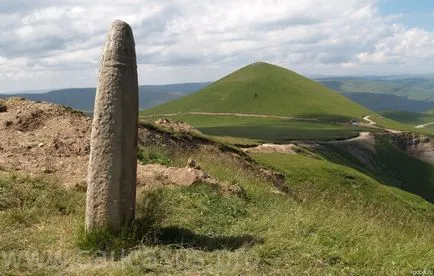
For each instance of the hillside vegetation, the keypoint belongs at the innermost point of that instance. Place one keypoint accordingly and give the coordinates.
(262, 88)
(266, 129)
(413, 119)
(384, 161)
(410, 118)
(294, 213)
(326, 219)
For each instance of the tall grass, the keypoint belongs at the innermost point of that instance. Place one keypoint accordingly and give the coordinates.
(339, 225)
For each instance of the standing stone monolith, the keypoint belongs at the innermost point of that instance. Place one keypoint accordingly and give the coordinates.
(111, 189)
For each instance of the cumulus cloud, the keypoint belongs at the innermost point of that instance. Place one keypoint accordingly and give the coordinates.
(48, 43)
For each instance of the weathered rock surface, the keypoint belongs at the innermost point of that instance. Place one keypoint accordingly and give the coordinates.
(154, 175)
(176, 126)
(417, 145)
(111, 190)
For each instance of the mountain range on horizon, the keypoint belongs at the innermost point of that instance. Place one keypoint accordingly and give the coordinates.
(413, 93)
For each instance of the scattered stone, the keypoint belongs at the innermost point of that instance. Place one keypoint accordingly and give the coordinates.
(178, 126)
(268, 148)
(111, 191)
(192, 164)
(7, 123)
(277, 178)
(155, 175)
(48, 171)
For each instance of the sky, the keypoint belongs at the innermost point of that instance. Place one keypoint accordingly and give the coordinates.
(48, 44)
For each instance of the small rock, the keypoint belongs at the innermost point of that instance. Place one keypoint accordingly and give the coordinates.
(40, 145)
(48, 170)
(7, 123)
(192, 164)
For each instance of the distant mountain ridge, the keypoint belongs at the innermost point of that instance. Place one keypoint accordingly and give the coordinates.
(412, 93)
(84, 98)
(383, 102)
(418, 87)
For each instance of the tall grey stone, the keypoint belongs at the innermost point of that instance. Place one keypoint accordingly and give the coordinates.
(111, 190)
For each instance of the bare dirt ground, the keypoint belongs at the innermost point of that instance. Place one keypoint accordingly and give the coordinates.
(39, 138)
(268, 148)
(44, 138)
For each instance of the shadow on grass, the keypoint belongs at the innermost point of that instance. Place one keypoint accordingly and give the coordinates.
(147, 230)
(185, 238)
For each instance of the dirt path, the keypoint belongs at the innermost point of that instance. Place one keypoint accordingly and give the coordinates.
(373, 125)
(424, 125)
(290, 148)
(366, 118)
(363, 136)
(234, 114)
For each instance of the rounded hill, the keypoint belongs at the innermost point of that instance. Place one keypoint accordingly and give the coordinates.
(262, 88)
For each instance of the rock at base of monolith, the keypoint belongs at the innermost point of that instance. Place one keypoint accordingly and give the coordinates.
(111, 191)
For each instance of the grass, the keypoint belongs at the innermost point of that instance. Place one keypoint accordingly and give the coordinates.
(262, 88)
(150, 213)
(413, 119)
(387, 123)
(337, 221)
(388, 164)
(318, 178)
(410, 118)
(154, 155)
(236, 130)
(403, 171)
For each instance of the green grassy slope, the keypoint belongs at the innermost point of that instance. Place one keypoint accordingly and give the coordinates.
(403, 171)
(262, 88)
(411, 118)
(340, 183)
(267, 129)
(389, 165)
(336, 221)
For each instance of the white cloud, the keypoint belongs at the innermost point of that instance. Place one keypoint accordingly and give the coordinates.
(49, 43)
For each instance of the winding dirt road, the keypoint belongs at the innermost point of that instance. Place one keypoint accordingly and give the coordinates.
(424, 125)
(366, 118)
(286, 148)
(233, 114)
